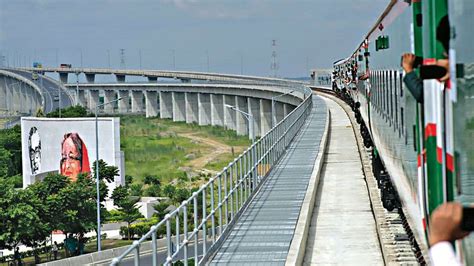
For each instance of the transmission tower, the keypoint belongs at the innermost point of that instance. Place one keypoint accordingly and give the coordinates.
(122, 58)
(274, 65)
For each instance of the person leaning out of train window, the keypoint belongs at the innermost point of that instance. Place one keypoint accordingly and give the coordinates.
(409, 63)
(412, 81)
(445, 227)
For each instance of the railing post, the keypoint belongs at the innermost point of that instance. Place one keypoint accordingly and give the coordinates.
(196, 229)
(226, 212)
(204, 222)
(137, 253)
(177, 232)
(231, 192)
(213, 211)
(153, 245)
(169, 241)
(185, 229)
(219, 195)
(241, 183)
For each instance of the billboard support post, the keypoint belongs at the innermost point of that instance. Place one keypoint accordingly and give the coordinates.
(97, 167)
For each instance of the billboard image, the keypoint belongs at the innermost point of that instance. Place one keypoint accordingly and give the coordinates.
(68, 146)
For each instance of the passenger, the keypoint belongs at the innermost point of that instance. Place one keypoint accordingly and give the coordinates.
(445, 227)
(412, 81)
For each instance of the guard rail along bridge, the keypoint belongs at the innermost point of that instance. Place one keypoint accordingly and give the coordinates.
(302, 193)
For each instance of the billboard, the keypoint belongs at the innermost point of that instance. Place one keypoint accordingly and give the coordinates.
(68, 146)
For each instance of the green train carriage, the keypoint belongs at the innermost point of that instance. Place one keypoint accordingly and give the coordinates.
(426, 149)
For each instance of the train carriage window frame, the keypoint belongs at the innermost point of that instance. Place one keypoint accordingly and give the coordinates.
(401, 84)
(395, 98)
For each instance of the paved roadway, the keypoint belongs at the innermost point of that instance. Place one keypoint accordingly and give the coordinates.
(51, 91)
(342, 229)
(263, 234)
(146, 260)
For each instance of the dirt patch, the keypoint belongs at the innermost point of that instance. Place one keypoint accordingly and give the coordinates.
(212, 153)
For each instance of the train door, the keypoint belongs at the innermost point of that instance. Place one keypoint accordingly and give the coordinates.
(462, 99)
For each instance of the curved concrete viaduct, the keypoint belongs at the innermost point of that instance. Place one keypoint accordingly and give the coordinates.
(197, 103)
(153, 75)
(19, 95)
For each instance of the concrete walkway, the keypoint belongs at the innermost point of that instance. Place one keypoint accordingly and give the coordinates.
(342, 230)
(263, 234)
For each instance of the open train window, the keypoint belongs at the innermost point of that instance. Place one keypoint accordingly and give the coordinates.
(395, 98)
(401, 84)
(390, 83)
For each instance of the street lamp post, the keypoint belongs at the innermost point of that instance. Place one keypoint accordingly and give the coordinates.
(250, 119)
(274, 122)
(97, 166)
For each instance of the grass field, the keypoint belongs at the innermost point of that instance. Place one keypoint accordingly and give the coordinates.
(164, 148)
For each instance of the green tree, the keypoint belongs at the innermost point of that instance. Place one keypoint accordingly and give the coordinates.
(180, 195)
(71, 111)
(106, 172)
(169, 190)
(127, 205)
(19, 217)
(152, 180)
(160, 209)
(10, 150)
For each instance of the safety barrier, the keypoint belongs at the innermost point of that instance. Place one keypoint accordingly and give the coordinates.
(208, 215)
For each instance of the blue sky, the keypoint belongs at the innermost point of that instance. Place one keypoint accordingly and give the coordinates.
(236, 35)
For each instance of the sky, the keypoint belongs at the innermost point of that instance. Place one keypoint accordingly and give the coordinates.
(223, 36)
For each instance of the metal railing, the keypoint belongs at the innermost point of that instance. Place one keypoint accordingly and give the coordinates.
(203, 221)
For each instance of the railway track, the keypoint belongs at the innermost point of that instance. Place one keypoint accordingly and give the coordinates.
(394, 237)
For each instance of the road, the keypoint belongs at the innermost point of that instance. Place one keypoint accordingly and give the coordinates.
(146, 260)
(51, 91)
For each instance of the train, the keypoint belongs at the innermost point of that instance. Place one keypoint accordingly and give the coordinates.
(422, 146)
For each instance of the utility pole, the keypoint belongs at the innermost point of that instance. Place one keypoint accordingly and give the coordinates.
(122, 58)
(274, 65)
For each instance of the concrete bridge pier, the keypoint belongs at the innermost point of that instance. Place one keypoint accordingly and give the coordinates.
(82, 98)
(90, 78)
(151, 103)
(3, 97)
(166, 104)
(229, 114)
(93, 99)
(217, 110)
(28, 103)
(241, 120)
(265, 116)
(123, 105)
(254, 109)
(137, 101)
(179, 106)
(120, 78)
(192, 107)
(109, 95)
(279, 112)
(204, 102)
(63, 77)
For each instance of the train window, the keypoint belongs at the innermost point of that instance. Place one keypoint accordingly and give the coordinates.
(401, 84)
(391, 95)
(402, 118)
(395, 98)
(384, 76)
(390, 104)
